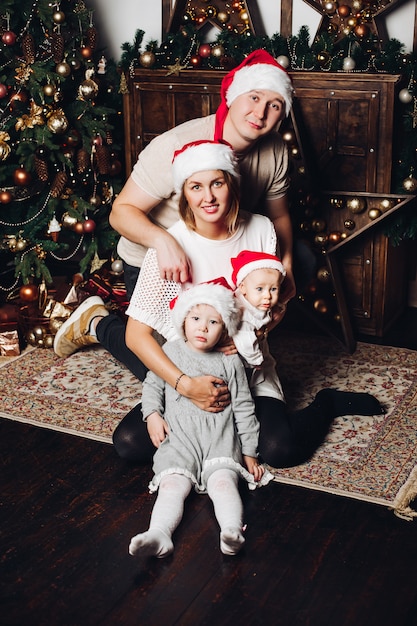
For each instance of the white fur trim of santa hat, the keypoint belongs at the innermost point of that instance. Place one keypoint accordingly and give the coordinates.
(217, 294)
(247, 261)
(200, 156)
(261, 76)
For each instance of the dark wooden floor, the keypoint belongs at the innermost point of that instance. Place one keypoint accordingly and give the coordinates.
(69, 507)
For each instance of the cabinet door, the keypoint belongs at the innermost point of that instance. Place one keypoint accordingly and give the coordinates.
(341, 136)
(346, 123)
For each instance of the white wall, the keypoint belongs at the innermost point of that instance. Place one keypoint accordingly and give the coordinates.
(118, 21)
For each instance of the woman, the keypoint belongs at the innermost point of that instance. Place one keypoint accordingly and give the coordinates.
(212, 231)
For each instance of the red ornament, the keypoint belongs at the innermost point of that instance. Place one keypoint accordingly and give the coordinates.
(344, 10)
(73, 138)
(18, 97)
(28, 293)
(9, 313)
(195, 61)
(115, 168)
(86, 52)
(79, 228)
(97, 140)
(21, 177)
(204, 50)
(361, 30)
(5, 197)
(8, 37)
(89, 226)
(3, 90)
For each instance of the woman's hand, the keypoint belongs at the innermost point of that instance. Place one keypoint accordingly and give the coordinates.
(253, 467)
(157, 428)
(209, 393)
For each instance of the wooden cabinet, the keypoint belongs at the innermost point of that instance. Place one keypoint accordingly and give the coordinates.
(346, 126)
(345, 123)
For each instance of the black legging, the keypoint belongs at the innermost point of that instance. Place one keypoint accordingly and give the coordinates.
(285, 439)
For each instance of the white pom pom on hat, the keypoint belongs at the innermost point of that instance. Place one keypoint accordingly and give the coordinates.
(199, 156)
(247, 261)
(216, 293)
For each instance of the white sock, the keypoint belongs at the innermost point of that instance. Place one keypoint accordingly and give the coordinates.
(166, 515)
(93, 324)
(222, 487)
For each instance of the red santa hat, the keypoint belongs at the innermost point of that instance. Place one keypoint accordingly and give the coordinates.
(259, 70)
(202, 155)
(218, 294)
(247, 261)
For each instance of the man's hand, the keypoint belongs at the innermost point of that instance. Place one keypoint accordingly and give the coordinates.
(172, 261)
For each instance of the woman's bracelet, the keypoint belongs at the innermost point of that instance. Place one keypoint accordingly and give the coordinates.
(178, 380)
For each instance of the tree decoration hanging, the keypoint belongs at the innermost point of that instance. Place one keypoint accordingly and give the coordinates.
(57, 93)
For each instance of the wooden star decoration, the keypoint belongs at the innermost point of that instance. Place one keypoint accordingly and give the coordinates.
(234, 15)
(354, 16)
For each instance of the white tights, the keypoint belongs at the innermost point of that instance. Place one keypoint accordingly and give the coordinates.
(169, 507)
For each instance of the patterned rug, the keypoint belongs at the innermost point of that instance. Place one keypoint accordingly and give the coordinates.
(368, 458)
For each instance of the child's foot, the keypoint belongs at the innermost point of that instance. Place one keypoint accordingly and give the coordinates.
(231, 541)
(348, 403)
(151, 543)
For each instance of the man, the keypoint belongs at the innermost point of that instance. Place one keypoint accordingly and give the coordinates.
(255, 97)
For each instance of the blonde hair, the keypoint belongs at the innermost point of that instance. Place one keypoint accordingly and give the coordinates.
(232, 216)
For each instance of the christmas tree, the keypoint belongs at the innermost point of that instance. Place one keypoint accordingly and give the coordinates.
(60, 164)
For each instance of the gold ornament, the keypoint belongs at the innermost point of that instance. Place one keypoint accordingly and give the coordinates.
(223, 17)
(323, 58)
(217, 51)
(410, 184)
(386, 204)
(57, 122)
(336, 203)
(330, 7)
(356, 205)
(374, 213)
(63, 69)
(4, 146)
(48, 341)
(88, 88)
(55, 324)
(321, 306)
(321, 239)
(68, 221)
(349, 224)
(21, 244)
(58, 17)
(288, 136)
(147, 59)
(35, 118)
(318, 225)
(323, 275)
(23, 74)
(49, 90)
